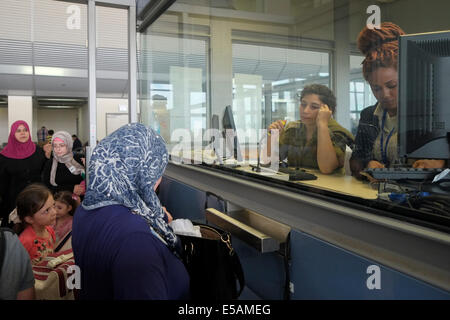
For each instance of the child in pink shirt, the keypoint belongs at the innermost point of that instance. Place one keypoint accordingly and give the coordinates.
(65, 206)
(35, 209)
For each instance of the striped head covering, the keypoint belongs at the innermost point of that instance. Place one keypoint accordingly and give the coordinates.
(123, 169)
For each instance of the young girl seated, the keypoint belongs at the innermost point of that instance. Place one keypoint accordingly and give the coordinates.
(36, 211)
(65, 206)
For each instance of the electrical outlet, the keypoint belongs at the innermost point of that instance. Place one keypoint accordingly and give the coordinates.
(291, 287)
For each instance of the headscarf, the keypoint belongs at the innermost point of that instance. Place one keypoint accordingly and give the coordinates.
(123, 169)
(15, 149)
(74, 167)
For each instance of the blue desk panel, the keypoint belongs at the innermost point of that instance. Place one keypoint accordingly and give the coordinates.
(318, 269)
(323, 271)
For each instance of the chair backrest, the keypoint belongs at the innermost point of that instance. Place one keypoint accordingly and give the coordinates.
(79, 151)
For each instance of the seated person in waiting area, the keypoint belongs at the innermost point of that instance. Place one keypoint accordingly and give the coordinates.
(317, 140)
(376, 138)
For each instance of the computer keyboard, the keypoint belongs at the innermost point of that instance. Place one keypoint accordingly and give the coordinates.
(297, 174)
(300, 176)
(403, 173)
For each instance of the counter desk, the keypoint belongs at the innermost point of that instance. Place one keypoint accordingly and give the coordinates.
(402, 248)
(336, 182)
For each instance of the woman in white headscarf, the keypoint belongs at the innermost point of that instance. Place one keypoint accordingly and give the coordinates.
(64, 171)
(120, 235)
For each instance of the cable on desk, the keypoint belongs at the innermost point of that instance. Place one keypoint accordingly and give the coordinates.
(403, 192)
(419, 200)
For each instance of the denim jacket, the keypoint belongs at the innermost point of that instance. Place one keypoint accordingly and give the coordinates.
(366, 134)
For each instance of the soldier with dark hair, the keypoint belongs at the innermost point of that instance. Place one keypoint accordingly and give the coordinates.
(317, 140)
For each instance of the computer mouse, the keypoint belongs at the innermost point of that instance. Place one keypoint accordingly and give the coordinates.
(298, 176)
(283, 164)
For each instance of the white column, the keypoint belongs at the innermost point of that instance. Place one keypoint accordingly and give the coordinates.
(4, 129)
(92, 101)
(342, 62)
(132, 64)
(221, 67)
(35, 120)
(21, 108)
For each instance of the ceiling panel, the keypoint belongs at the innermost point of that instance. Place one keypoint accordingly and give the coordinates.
(63, 84)
(112, 88)
(15, 83)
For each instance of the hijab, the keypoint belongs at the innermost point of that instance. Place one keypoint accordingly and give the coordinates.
(74, 167)
(15, 149)
(123, 169)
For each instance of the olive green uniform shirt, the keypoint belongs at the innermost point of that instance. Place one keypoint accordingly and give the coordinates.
(302, 153)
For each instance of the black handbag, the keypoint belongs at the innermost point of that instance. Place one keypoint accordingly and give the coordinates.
(213, 265)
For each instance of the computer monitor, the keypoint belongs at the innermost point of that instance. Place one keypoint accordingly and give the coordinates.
(424, 96)
(231, 134)
(215, 122)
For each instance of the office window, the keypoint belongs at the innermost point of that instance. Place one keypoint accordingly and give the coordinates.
(173, 82)
(44, 54)
(361, 95)
(201, 56)
(266, 80)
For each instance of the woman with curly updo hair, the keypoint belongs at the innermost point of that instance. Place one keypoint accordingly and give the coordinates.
(376, 138)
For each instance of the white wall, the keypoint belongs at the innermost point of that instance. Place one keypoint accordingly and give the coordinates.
(57, 119)
(65, 119)
(35, 117)
(105, 106)
(83, 124)
(4, 131)
(20, 108)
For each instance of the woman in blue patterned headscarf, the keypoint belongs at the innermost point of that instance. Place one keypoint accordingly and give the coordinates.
(123, 169)
(120, 236)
